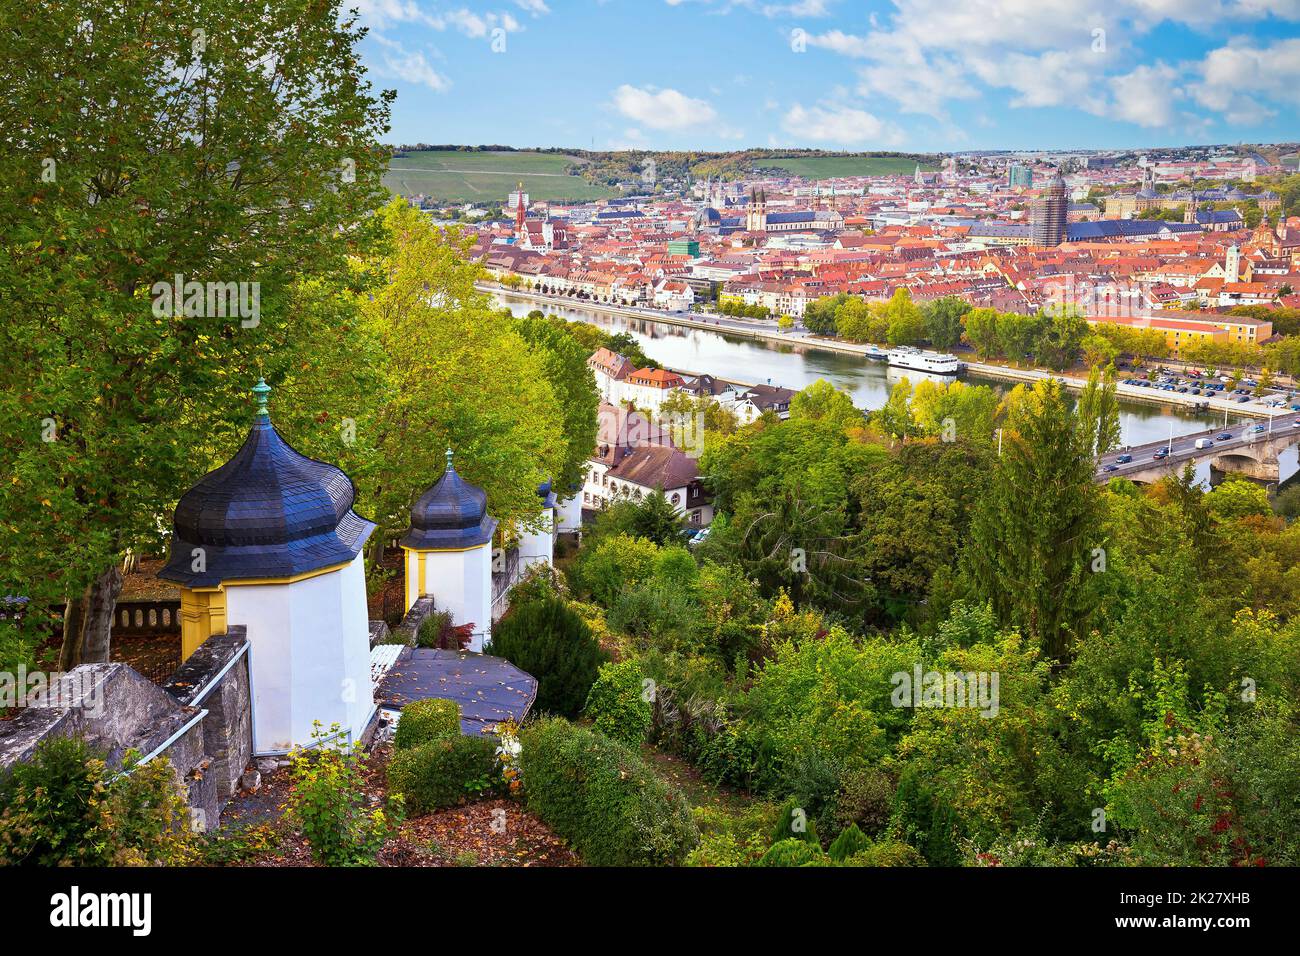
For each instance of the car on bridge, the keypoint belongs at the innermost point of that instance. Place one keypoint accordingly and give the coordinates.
(1225, 436)
(1161, 453)
(1124, 459)
(1111, 468)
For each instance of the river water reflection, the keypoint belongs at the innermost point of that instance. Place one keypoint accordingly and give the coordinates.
(796, 366)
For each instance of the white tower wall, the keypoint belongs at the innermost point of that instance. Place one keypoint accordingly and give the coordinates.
(310, 655)
(459, 582)
(569, 514)
(538, 547)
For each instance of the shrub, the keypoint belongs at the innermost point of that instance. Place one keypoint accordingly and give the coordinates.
(850, 842)
(865, 799)
(885, 853)
(601, 797)
(732, 837)
(549, 640)
(793, 852)
(438, 631)
(65, 808)
(328, 804)
(793, 824)
(426, 720)
(443, 773)
(617, 705)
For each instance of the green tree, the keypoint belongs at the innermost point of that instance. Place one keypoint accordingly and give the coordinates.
(460, 376)
(547, 639)
(658, 520)
(1034, 532)
(943, 317)
(565, 362)
(982, 331)
(240, 146)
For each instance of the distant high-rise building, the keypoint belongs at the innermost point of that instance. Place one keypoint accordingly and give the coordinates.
(1020, 177)
(1048, 215)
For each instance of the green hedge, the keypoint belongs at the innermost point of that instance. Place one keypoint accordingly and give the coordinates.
(617, 704)
(442, 773)
(601, 797)
(424, 721)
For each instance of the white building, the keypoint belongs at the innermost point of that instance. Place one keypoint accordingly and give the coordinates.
(270, 541)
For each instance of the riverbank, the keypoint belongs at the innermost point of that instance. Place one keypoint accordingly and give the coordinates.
(728, 325)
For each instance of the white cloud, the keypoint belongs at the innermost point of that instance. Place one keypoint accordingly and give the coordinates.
(1046, 53)
(410, 66)
(535, 7)
(1236, 78)
(662, 109)
(1146, 96)
(837, 123)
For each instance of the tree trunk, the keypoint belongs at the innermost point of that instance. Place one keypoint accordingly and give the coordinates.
(74, 620)
(101, 600)
(88, 621)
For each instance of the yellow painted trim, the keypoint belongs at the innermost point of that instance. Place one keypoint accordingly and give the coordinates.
(203, 613)
(421, 574)
(249, 582)
(446, 550)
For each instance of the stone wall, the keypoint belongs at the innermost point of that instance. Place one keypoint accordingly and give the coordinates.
(215, 678)
(201, 720)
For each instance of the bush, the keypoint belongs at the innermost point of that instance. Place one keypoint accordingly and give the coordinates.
(444, 773)
(549, 640)
(849, 843)
(438, 630)
(427, 720)
(328, 804)
(885, 853)
(602, 798)
(793, 852)
(865, 799)
(793, 824)
(65, 808)
(617, 705)
(733, 837)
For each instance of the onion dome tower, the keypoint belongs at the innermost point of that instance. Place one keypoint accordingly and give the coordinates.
(449, 552)
(538, 547)
(270, 541)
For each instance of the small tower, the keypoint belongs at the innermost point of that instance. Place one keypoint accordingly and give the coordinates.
(520, 203)
(270, 541)
(449, 552)
(1232, 264)
(538, 547)
(1190, 210)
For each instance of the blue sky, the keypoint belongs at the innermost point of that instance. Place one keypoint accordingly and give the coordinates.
(842, 74)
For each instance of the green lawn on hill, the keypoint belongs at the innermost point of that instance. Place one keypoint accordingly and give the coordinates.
(827, 167)
(455, 176)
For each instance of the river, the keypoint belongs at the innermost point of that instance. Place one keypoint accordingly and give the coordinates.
(744, 359)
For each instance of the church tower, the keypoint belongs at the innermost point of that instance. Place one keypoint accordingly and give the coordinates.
(1189, 211)
(449, 552)
(270, 541)
(1232, 264)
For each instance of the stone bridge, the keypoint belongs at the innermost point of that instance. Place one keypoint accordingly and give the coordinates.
(1249, 450)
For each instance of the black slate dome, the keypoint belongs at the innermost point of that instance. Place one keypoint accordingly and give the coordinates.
(546, 494)
(269, 512)
(449, 516)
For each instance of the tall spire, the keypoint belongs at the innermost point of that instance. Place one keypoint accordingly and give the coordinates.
(450, 455)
